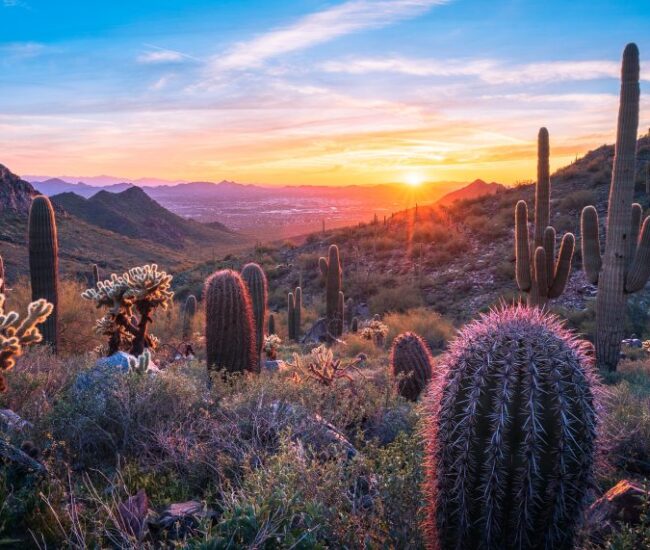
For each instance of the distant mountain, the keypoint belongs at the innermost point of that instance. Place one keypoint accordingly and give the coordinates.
(134, 214)
(144, 232)
(102, 181)
(477, 188)
(55, 186)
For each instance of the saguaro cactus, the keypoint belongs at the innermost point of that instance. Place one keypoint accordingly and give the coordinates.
(291, 316)
(332, 272)
(511, 430)
(297, 313)
(188, 316)
(229, 324)
(411, 364)
(271, 324)
(625, 266)
(2, 276)
(340, 314)
(44, 263)
(95, 275)
(543, 277)
(255, 280)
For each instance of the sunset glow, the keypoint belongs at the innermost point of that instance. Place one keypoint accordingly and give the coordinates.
(413, 179)
(309, 92)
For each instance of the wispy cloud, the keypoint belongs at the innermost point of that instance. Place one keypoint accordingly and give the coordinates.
(158, 55)
(487, 70)
(15, 4)
(21, 50)
(320, 27)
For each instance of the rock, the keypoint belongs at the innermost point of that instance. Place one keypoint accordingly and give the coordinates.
(181, 519)
(11, 422)
(118, 361)
(390, 424)
(623, 503)
(274, 365)
(319, 334)
(132, 514)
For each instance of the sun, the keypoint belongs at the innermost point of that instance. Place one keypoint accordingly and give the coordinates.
(413, 179)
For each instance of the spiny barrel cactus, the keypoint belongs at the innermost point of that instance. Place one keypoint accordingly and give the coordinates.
(229, 324)
(411, 364)
(541, 276)
(44, 263)
(130, 301)
(255, 280)
(189, 311)
(332, 273)
(511, 433)
(16, 334)
(625, 266)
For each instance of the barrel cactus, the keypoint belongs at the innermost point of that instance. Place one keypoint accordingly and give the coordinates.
(624, 267)
(511, 433)
(257, 285)
(411, 365)
(189, 311)
(229, 324)
(44, 263)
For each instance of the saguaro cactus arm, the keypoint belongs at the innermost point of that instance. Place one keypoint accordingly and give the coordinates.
(543, 187)
(562, 266)
(522, 247)
(639, 271)
(592, 259)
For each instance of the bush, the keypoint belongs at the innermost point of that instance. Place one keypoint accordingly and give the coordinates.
(400, 299)
(429, 325)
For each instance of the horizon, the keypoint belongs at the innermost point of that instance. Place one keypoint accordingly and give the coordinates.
(311, 93)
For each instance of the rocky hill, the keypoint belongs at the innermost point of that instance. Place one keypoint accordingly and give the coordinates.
(474, 190)
(85, 235)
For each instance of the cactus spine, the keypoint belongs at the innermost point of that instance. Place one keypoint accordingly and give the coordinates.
(255, 280)
(229, 324)
(271, 324)
(625, 266)
(538, 272)
(44, 263)
(510, 434)
(188, 316)
(411, 363)
(332, 272)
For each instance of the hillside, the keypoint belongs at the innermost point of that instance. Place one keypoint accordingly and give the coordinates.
(456, 260)
(134, 214)
(474, 190)
(84, 241)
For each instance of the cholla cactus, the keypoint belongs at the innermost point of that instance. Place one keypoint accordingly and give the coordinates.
(324, 368)
(139, 291)
(15, 334)
(374, 330)
(511, 432)
(142, 364)
(271, 344)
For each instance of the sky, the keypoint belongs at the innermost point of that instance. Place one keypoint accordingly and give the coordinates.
(311, 91)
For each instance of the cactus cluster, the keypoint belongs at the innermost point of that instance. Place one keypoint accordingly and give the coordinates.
(44, 263)
(538, 272)
(411, 364)
(624, 268)
(130, 300)
(16, 334)
(332, 273)
(257, 285)
(294, 314)
(511, 433)
(229, 324)
(189, 311)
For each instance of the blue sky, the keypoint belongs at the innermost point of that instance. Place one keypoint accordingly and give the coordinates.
(309, 91)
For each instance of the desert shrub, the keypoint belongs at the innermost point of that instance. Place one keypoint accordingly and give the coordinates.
(429, 325)
(576, 201)
(400, 298)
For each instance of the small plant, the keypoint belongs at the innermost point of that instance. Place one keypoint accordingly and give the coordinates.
(139, 291)
(323, 368)
(16, 334)
(142, 364)
(271, 344)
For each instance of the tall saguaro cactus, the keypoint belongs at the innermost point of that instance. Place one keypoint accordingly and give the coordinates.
(538, 272)
(229, 324)
(44, 263)
(188, 316)
(625, 266)
(332, 272)
(291, 316)
(255, 280)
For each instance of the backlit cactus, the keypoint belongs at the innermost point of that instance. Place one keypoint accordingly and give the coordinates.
(625, 266)
(411, 364)
(291, 316)
(340, 314)
(511, 433)
(16, 334)
(189, 311)
(332, 273)
(537, 270)
(229, 324)
(255, 280)
(2, 276)
(44, 263)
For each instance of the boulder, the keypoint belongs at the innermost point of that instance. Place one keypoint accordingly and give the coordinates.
(273, 365)
(623, 503)
(319, 334)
